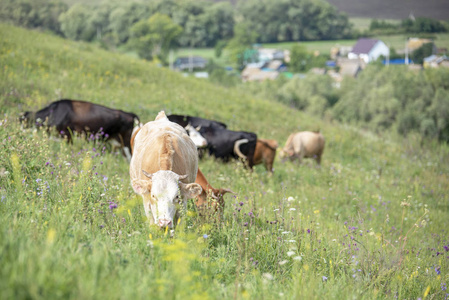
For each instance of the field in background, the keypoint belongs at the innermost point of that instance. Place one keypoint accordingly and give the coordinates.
(371, 222)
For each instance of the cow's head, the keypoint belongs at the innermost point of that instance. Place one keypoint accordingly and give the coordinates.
(197, 138)
(167, 193)
(285, 153)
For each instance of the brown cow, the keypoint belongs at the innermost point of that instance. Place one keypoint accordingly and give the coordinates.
(216, 201)
(265, 153)
(163, 169)
(303, 144)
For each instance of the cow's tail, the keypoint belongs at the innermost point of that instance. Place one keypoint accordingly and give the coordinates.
(237, 148)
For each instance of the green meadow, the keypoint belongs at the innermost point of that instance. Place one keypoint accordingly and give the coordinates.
(371, 223)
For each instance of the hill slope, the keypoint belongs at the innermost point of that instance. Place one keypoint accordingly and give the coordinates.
(71, 227)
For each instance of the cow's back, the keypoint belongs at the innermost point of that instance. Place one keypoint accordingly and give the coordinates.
(311, 143)
(163, 145)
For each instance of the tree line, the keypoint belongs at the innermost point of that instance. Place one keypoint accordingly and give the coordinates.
(185, 23)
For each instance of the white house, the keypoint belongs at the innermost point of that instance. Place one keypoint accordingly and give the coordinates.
(369, 50)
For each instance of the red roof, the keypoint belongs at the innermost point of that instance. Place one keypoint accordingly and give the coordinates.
(364, 46)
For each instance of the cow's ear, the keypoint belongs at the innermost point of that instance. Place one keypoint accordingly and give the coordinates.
(198, 128)
(190, 190)
(141, 187)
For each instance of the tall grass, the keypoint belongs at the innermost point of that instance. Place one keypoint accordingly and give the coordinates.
(371, 222)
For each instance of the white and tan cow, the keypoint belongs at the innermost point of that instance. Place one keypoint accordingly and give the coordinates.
(303, 144)
(163, 169)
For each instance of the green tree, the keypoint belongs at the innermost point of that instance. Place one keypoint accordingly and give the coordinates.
(74, 23)
(422, 52)
(243, 40)
(124, 16)
(155, 37)
(299, 57)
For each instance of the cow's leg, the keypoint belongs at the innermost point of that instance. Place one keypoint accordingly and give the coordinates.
(127, 153)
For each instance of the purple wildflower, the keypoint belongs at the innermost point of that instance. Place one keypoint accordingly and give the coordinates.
(437, 270)
(245, 224)
(308, 230)
(241, 203)
(324, 278)
(446, 248)
(112, 205)
(205, 236)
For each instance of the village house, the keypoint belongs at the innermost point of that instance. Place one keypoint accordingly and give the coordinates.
(435, 61)
(369, 50)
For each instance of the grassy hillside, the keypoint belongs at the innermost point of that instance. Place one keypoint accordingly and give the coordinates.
(370, 223)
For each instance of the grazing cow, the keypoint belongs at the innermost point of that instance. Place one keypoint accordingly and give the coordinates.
(163, 169)
(196, 122)
(304, 144)
(265, 153)
(225, 144)
(216, 201)
(69, 116)
(221, 142)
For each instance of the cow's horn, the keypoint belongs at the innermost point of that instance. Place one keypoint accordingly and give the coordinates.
(147, 174)
(237, 147)
(198, 128)
(182, 177)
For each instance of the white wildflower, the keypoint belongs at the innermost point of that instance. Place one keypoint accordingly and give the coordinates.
(283, 262)
(290, 253)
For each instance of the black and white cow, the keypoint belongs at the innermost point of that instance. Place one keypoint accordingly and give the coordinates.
(222, 142)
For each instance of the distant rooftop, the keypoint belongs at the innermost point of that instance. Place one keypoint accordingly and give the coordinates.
(364, 46)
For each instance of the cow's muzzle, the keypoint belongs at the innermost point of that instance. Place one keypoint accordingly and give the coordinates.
(164, 223)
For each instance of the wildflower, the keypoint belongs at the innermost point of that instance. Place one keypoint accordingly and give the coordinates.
(446, 248)
(205, 236)
(290, 253)
(324, 278)
(38, 180)
(283, 262)
(268, 276)
(241, 203)
(405, 204)
(298, 258)
(101, 226)
(290, 199)
(437, 270)
(443, 286)
(292, 209)
(112, 205)
(245, 224)
(308, 230)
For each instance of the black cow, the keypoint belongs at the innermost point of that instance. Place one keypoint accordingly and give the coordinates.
(196, 122)
(69, 116)
(222, 142)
